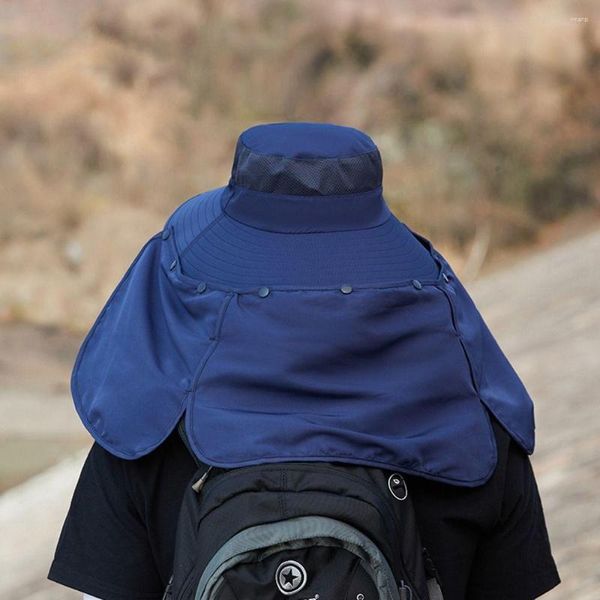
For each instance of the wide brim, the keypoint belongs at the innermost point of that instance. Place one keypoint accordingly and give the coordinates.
(233, 254)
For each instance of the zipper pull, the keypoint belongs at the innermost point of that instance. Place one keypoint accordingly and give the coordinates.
(197, 487)
(405, 591)
(167, 595)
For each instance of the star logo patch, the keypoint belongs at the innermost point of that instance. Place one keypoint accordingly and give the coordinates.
(290, 577)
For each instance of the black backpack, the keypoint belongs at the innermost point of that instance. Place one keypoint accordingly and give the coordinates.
(303, 530)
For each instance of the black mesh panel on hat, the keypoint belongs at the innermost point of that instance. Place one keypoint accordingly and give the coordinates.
(307, 176)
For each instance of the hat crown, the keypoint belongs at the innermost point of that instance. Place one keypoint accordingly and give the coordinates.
(306, 159)
(306, 177)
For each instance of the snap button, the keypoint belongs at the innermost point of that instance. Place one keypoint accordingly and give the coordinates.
(263, 292)
(346, 289)
(166, 233)
(446, 278)
(291, 577)
(173, 265)
(417, 284)
(397, 486)
(200, 287)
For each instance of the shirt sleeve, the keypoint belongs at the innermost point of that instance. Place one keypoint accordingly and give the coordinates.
(103, 549)
(514, 559)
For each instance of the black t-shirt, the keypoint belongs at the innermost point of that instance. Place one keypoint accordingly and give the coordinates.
(117, 543)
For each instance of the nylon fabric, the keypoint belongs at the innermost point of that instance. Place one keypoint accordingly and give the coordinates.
(297, 533)
(280, 341)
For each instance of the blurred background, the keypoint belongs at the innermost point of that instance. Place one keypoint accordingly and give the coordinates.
(487, 115)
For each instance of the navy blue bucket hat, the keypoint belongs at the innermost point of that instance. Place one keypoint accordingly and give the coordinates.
(291, 316)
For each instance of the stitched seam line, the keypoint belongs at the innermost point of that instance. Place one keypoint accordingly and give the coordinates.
(215, 337)
(374, 150)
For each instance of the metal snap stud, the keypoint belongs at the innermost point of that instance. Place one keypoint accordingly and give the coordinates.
(173, 265)
(417, 284)
(397, 486)
(201, 287)
(346, 289)
(166, 233)
(263, 292)
(446, 278)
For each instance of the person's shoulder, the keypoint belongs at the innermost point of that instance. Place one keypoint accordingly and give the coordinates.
(169, 461)
(506, 449)
(172, 448)
(514, 558)
(513, 469)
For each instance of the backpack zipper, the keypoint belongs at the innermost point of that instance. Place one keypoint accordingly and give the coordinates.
(314, 466)
(168, 590)
(383, 500)
(198, 485)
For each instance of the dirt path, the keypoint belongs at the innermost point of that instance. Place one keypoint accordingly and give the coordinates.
(38, 425)
(545, 311)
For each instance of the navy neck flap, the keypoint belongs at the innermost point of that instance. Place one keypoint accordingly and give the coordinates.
(289, 316)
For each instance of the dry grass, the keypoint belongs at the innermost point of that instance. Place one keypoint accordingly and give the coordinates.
(487, 115)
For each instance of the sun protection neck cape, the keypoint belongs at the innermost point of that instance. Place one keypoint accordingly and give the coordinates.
(290, 316)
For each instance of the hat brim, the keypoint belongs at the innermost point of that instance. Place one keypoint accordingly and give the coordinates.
(230, 253)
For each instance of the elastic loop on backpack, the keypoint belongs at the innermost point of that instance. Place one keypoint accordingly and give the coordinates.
(397, 486)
